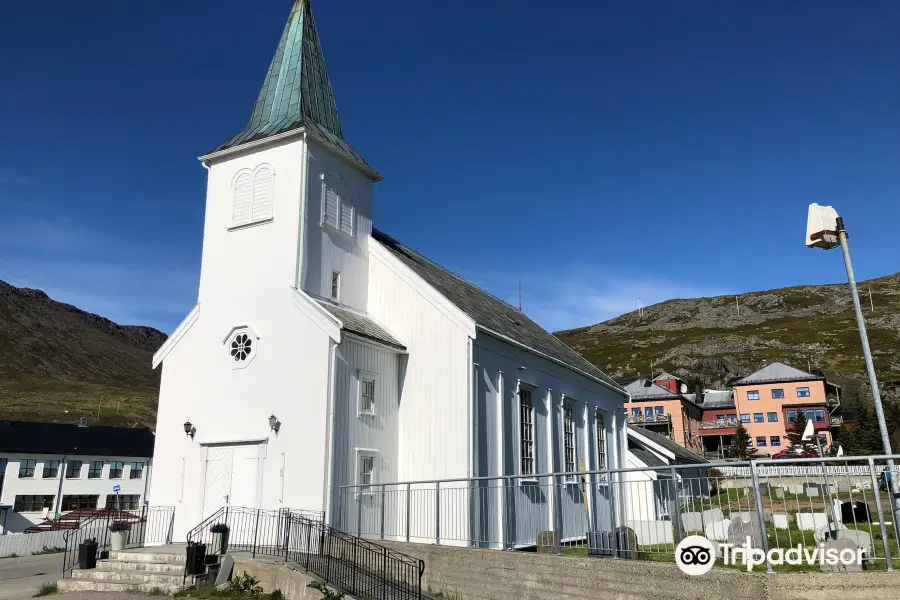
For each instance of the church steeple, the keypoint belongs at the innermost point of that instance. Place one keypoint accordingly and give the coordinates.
(296, 92)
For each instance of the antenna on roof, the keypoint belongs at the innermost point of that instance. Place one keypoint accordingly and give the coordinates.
(520, 294)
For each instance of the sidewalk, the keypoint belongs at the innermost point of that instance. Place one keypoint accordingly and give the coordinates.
(20, 577)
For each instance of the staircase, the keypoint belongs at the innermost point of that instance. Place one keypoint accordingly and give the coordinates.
(132, 571)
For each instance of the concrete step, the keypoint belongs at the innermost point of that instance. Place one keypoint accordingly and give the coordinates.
(111, 575)
(149, 556)
(141, 565)
(121, 587)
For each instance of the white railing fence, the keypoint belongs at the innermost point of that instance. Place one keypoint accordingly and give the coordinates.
(26, 544)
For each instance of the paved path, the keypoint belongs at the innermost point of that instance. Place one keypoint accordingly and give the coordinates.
(20, 577)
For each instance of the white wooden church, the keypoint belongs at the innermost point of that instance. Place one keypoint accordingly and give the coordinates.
(377, 364)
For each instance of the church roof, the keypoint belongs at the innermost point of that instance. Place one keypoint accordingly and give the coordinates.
(362, 325)
(297, 92)
(491, 313)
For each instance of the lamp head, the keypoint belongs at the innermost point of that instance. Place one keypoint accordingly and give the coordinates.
(822, 227)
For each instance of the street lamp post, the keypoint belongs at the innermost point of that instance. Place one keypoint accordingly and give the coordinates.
(825, 229)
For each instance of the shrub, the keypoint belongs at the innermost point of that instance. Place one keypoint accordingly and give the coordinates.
(119, 526)
(46, 589)
(327, 592)
(220, 528)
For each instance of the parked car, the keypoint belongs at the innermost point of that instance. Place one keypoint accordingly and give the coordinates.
(797, 453)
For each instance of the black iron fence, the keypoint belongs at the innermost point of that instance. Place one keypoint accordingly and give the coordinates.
(358, 567)
(149, 526)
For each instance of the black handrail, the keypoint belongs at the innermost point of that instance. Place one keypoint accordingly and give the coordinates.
(358, 567)
(149, 524)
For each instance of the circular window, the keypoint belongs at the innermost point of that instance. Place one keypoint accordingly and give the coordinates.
(241, 346)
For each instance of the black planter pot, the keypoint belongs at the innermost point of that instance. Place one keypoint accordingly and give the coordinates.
(194, 561)
(87, 555)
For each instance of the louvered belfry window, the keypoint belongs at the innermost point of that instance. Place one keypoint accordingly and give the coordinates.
(253, 196)
(337, 204)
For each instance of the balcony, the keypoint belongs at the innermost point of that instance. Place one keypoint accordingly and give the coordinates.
(720, 424)
(649, 419)
(837, 421)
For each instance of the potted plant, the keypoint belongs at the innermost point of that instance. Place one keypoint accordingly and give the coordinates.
(87, 554)
(220, 537)
(119, 537)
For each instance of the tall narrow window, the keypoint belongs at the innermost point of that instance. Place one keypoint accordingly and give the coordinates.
(253, 193)
(335, 285)
(136, 471)
(337, 204)
(568, 438)
(95, 470)
(243, 199)
(263, 181)
(115, 469)
(526, 420)
(51, 469)
(73, 469)
(601, 442)
(366, 474)
(366, 393)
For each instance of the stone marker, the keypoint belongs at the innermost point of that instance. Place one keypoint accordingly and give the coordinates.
(225, 567)
(717, 530)
(827, 532)
(744, 516)
(739, 531)
(855, 512)
(628, 542)
(546, 542)
(712, 515)
(812, 491)
(782, 520)
(778, 493)
(843, 486)
(841, 544)
(810, 521)
(861, 538)
(692, 521)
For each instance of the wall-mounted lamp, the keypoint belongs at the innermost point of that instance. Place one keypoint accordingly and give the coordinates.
(189, 429)
(274, 423)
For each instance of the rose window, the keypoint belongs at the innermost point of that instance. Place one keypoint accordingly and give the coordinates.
(241, 347)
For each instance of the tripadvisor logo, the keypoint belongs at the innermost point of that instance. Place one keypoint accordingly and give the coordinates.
(696, 555)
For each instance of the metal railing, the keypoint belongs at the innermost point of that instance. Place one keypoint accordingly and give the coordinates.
(150, 526)
(727, 423)
(654, 418)
(639, 513)
(356, 566)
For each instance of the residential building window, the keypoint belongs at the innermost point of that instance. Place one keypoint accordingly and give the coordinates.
(366, 474)
(26, 468)
(335, 285)
(745, 417)
(79, 503)
(568, 438)
(73, 469)
(51, 469)
(758, 418)
(115, 469)
(760, 441)
(774, 440)
(601, 442)
(720, 420)
(772, 417)
(648, 414)
(659, 410)
(123, 501)
(526, 443)
(803, 392)
(136, 471)
(820, 415)
(777, 394)
(95, 471)
(367, 393)
(32, 503)
(791, 416)
(636, 413)
(753, 395)
(337, 204)
(732, 417)
(823, 439)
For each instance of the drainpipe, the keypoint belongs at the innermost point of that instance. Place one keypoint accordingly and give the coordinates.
(149, 473)
(62, 474)
(329, 433)
(300, 264)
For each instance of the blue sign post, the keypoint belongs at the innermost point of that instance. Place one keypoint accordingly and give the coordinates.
(116, 489)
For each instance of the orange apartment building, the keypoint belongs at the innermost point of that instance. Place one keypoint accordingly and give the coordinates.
(663, 405)
(766, 403)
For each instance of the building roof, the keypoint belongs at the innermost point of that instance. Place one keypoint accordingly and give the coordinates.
(776, 372)
(296, 91)
(642, 388)
(362, 325)
(713, 399)
(682, 454)
(646, 457)
(490, 313)
(26, 437)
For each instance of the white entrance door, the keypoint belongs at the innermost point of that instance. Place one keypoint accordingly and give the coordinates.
(231, 476)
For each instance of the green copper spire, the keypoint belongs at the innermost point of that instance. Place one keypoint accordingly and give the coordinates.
(296, 92)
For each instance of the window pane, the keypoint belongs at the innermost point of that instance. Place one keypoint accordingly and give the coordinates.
(526, 450)
(761, 441)
(775, 440)
(137, 470)
(601, 442)
(777, 394)
(96, 469)
(115, 469)
(26, 467)
(820, 415)
(51, 469)
(757, 417)
(753, 395)
(803, 392)
(745, 417)
(73, 469)
(568, 438)
(773, 417)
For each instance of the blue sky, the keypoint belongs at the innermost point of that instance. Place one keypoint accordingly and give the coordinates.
(600, 151)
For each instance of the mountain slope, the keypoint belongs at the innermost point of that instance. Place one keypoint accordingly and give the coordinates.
(705, 339)
(58, 363)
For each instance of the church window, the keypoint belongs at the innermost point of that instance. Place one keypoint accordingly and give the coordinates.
(253, 192)
(241, 347)
(335, 285)
(367, 385)
(337, 204)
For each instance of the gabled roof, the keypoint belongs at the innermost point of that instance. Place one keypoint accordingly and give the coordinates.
(27, 437)
(491, 314)
(362, 325)
(296, 92)
(682, 454)
(644, 389)
(775, 373)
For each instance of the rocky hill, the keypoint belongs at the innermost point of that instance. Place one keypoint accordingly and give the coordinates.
(710, 340)
(59, 363)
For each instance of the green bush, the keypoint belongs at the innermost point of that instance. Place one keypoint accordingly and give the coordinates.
(47, 589)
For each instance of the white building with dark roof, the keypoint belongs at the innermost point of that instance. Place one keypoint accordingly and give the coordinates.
(324, 353)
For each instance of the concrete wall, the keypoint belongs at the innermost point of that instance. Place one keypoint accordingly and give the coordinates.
(274, 575)
(470, 574)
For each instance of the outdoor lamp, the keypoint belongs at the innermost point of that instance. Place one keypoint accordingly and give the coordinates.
(188, 428)
(273, 423)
